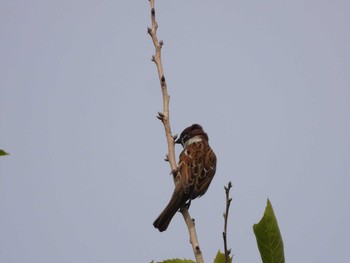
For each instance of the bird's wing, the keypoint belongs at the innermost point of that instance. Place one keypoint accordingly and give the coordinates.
(197, 167)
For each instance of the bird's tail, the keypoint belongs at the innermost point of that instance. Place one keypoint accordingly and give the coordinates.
(177, 200)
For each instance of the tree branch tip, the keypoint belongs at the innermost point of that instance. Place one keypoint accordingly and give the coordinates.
(153, 58)
(149, 30)
(161, 43)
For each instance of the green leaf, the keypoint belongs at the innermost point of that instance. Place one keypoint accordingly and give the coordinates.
(268, 237)
(220, 258)
(2, 152)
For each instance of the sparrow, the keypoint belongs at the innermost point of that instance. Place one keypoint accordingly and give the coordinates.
(196, 169)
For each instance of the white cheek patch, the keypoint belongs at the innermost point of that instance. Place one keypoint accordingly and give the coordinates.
(193, 140)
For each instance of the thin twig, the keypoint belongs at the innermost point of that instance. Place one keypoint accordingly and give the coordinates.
(164, 117)
(224, 234)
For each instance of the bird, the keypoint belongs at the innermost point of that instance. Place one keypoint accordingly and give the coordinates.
(196, 169)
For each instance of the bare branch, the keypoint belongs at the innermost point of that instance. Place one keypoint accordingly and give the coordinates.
(193, 235)
(224, 234)
(164, 117)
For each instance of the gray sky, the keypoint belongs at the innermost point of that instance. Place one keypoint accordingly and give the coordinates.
(269, 81)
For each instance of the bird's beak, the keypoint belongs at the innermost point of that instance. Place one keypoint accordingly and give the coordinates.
(178, 140)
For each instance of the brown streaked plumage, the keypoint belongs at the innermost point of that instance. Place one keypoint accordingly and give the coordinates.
(196, 169)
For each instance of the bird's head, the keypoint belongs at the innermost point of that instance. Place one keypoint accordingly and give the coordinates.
(191, 134)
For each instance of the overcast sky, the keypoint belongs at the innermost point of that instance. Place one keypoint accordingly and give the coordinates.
(268, 80)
